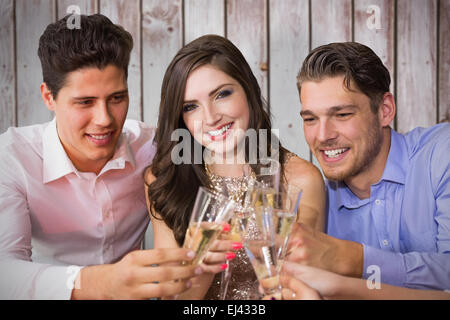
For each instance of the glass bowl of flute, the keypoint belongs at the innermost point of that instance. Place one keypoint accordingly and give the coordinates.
(267, 233)
(210, 213)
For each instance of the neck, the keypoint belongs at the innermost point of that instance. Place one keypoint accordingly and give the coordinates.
(227, 170)
(361, 183)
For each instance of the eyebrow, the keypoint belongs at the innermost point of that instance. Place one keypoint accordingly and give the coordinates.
(112, 94)
(212, 92)
(331, 110)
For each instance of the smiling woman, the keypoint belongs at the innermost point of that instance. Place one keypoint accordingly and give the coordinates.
(210, 92)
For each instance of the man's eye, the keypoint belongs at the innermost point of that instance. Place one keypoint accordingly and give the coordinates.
(189, 107)
(308, 119)
(118, 98)
(84, 102)
(343, 115)
(224, 93)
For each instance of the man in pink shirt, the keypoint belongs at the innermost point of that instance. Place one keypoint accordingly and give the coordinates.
(72, 204)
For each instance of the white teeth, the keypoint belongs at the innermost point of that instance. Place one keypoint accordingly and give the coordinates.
(98, 137)
(220, 131)
(334, 153)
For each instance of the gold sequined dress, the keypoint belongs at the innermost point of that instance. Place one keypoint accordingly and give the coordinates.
(243, 284)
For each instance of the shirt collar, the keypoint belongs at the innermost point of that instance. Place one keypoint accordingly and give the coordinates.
(394, 171)
(397, 162)
(57, 164)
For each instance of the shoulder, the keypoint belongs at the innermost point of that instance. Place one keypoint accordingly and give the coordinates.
(301, 172)
(140, 138)
(419, 139)
(138, 130)
(22, 135)
(22, 143)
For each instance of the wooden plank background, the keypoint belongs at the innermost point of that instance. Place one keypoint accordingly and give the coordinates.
(410, 36)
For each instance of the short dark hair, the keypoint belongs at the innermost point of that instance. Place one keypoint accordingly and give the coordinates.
(96, 43)
(355, 61)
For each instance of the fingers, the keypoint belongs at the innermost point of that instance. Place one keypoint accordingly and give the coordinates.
(214, 268)
(156, 290)
(215, 258)
(288, 294)
(166, 273)
(159, 256)
(223, 245)
(301, 290)
(293, 269)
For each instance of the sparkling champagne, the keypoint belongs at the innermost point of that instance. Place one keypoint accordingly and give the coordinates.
(199, 238)
(283, 222)
(263, 256)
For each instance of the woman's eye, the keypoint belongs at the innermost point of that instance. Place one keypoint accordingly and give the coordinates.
(224, 93)
(189, 107)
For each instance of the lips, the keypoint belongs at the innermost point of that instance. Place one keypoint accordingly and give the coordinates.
(334, 155)
(100, 139)
(221, 132)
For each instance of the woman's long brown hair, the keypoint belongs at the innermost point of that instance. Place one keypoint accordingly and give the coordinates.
(172, 194)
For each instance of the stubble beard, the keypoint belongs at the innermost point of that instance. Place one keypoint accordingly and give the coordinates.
(374, 143)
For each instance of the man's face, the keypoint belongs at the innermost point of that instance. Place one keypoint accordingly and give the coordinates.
(340, 128)
(90, 112)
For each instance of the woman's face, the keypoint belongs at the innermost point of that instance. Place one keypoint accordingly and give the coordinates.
(215, 109)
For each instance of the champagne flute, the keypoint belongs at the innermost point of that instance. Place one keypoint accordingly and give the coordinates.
(285, 208)
(208, 216)
(274, 216)
(260, 246)
(267, 174)
(237, 222)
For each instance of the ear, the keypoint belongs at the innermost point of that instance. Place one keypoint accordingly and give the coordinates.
(386, 112)
(47, 97)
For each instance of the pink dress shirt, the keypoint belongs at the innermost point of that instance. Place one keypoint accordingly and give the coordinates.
(54, 219)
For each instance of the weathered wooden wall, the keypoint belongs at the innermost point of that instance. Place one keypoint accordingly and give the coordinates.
(411, 37)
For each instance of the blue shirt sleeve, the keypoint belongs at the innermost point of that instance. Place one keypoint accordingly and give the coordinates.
(413, 269)
(422, 269)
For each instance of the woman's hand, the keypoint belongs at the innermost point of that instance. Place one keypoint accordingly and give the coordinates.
(220, 252)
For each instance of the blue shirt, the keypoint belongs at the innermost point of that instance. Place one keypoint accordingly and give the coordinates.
(405, 224)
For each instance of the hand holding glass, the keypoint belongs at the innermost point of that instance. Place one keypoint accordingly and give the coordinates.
(211, 211)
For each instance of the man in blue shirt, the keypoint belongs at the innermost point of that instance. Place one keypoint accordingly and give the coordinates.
(389, 194)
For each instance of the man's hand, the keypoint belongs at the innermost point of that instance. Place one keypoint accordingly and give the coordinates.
(138, 276)
(314, 248)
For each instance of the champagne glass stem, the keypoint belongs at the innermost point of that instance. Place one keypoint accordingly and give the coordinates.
(226, 275)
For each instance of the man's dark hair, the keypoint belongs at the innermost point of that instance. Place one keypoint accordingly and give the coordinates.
(355, 61)
(96, 43)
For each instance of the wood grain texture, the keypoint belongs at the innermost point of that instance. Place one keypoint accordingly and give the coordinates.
(86, 7)
(444, 61)
(289, 45)
(374, 27)
(127, 14)
(32, 17)
(7, 70)
(416, 86)
(247, 29)
(161, 39)
(203, 17)
(331, 21)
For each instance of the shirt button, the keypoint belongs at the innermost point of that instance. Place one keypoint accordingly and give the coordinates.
(385, 242)
(378, 201)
